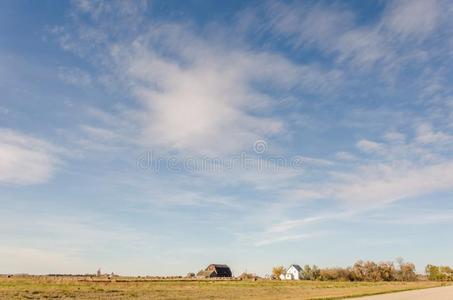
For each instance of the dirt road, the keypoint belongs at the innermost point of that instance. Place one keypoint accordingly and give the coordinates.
(442, 293)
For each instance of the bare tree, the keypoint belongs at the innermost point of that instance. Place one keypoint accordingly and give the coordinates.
(277, 271)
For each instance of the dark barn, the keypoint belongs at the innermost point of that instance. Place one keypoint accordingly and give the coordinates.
(216, 270)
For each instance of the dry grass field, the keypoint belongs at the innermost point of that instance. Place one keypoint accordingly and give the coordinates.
(42, 287)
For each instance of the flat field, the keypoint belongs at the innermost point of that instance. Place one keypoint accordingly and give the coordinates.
(45, 287)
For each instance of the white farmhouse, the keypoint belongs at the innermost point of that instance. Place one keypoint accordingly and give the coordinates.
(294, 272)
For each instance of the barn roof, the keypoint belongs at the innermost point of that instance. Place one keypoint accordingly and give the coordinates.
(221, 270)
(297, 267)
(218, 266)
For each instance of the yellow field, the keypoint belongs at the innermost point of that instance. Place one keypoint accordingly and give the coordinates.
(75, 288)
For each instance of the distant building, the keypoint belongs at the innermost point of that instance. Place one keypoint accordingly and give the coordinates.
(294, 272)
(215, 270)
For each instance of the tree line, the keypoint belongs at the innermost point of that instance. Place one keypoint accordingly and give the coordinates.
(360, 271)
(439, 273)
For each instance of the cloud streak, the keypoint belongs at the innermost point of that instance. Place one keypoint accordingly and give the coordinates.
(25, 160)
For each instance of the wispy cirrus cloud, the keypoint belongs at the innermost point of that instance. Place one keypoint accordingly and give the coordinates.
(25, 159)
(196, 93)
(391, 169)
(337, 31)
(413, 18)
(382, 173)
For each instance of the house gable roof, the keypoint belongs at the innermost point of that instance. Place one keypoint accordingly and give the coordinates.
(297, 267)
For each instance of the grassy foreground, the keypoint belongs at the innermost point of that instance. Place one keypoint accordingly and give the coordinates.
(74, 288)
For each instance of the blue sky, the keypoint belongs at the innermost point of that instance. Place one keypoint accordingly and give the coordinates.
(158, 137)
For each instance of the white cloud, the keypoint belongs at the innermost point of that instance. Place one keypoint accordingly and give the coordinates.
(369, 146)
(426, 135)
(412, 17)
(304, 25)
(209, 104)
(394, 136)
(99, 133)
(335, 30)
(331, 29)
(380, 184)
(100, 8)
(291, 224)
(389, 171)
(24, 159)
(365, 188)
(197, 93)
(363, 47)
